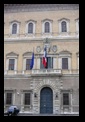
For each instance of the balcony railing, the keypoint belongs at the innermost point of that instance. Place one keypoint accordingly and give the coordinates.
(41, 72)
(46, 71)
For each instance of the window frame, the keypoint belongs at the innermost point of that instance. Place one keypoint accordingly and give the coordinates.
(11, 26)
(51, 66)
(46, 29)
(13, 29)
(10, 99)
(31, 28)
(10, 68)
(64, 104)
(64, 54)
(77, 55)
(66, 65)
(26, 99)
(27, 64)
(13, 97)
(50, 26)
(9, 56)
(23, 97)
(77, 25)
(27, 55)
(60, 25)
(69, 91)
(34, 25)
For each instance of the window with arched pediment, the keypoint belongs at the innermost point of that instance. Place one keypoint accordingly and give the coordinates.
(30, 27)
(64, 60)
(47, 26)
(63, 25)
(11, 62)
(14, 27)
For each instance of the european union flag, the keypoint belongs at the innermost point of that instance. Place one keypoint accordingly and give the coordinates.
(32, 61)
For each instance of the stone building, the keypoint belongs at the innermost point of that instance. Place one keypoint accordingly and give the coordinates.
(29, 28)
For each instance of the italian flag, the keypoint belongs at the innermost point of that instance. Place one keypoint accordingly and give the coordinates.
(44, 58)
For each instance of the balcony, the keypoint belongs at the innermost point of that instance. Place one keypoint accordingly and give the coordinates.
(34, 72)
(46, 72)
(41, 72)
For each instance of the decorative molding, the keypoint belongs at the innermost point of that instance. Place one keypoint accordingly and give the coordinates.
(64, 19)
(12, 54)
(38, 7)
(65, 52)
(15, 21)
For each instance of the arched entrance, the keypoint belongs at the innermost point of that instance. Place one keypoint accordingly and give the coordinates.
(46, 100)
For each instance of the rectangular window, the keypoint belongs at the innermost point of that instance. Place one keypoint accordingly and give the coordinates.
(28, 64)
(8, 98)
(11, 64)
(64, 63)
(65, 98)
(27, 98)
(49, 63)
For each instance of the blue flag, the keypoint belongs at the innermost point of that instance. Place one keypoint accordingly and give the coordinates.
(32, 61)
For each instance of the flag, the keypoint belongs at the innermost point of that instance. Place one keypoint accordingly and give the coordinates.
(32, 61)
(44, 58)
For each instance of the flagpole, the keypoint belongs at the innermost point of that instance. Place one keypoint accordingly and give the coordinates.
(33, 49)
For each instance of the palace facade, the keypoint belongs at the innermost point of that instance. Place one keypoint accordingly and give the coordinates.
(29, 28)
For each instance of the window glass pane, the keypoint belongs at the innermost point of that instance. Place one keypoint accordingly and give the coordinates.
(49, 63)
(63, 26)
(11, 64)
(64, 63)
(65, 98)
(27, 99)
(47, 27)
(41, 65)
(9, 98)
(14, 28)
(28, 64)
(30, 28)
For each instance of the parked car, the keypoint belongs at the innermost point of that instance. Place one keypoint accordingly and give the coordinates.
(13, 111)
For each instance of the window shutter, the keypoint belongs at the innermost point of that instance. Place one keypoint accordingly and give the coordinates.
(30, 28)
(11, 64)
(41, 65)
(65, 98)
(28, 64)
(64, 63)
(14, 28)
(63, 26)
(9, 98)
(47, 27)
(27, 99)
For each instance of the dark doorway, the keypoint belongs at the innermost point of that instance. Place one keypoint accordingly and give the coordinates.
(46, 101)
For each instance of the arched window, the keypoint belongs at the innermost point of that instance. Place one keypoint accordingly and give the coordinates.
(47, 27)
(30, 28)
(63, 26)
(14, 28)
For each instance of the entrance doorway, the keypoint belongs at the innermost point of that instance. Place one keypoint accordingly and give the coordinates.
(46, 101)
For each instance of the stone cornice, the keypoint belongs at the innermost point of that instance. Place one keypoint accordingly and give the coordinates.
(25, 40)
(38, 7)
